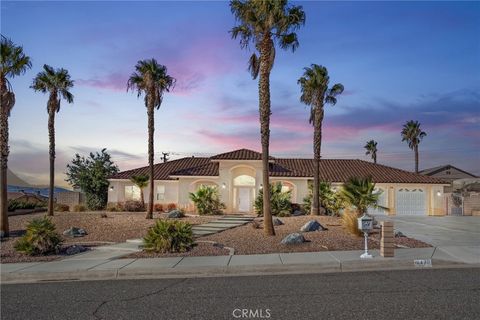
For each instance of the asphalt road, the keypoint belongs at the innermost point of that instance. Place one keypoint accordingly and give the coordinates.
(414, 294)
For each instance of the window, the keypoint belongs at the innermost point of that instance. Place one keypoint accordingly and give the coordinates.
(132, 193)
(448, 172)
(161, 193)
(244, 180)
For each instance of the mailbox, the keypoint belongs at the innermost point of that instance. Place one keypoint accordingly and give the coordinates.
(365, 223)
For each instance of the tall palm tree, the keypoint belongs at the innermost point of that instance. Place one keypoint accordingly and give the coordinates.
(316, 93)
(14, 62)
(57, 83)
(371, 148)
(151, 79)
(413, 134)
(264, 23)
(141, 181)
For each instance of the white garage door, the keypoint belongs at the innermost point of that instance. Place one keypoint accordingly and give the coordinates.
(382, 201)
(411, 202)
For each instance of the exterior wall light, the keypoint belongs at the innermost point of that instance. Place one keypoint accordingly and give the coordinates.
(439, 193)
(261, 186)
(224, 185)
(111, 188)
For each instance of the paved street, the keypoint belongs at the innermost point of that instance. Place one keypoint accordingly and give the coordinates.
(439, 231)
(414, 294)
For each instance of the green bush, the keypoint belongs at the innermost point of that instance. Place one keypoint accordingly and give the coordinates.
(134, 206)
(40, 238)
(359, 193)
(280, 202)
(207, 200)
(94, 201)
(169, 236)
(79, 208)
(17, 204)
(329, 199)
(62, 207)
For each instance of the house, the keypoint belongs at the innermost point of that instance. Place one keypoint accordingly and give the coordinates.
(238, 175)
(447, 173)
(463, 194)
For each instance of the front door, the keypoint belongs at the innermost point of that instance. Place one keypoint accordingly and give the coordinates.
(244, 199)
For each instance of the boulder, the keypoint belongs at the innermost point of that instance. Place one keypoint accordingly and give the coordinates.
(293, 238)
(298, 213)
(175, 214)
(312, 225)
(75, 250)
(74, 232)
(399, 234)
(277, 222)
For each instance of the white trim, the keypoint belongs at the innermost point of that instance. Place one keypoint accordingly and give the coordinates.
(231, 160)
(195, 177)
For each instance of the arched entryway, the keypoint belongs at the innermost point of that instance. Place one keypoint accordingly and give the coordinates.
(243, 182)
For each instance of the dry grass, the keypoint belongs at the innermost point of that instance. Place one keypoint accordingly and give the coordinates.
(350, 223)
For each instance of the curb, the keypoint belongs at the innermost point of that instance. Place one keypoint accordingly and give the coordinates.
(204, 272)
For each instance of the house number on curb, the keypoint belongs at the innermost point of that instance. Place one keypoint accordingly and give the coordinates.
(422, 263)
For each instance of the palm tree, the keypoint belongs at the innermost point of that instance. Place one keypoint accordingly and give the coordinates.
(141, 181)
(316, 93)
(360, 193)
(412, 134)
(151, 79)
(57, 83)
(263, 23)
(14, 62)
(371, 148)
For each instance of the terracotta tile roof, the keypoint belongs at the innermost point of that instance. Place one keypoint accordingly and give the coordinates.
(240, 154)
(340, 170)
(162, 171)
(333, 170)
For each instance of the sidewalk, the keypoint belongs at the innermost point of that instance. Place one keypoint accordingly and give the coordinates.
(104, 264)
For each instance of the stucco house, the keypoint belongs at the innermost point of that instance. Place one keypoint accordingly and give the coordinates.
(238, 175)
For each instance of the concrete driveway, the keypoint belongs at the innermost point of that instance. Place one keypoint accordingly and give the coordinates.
(439, 231)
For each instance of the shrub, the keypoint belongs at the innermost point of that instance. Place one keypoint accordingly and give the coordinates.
(40, 238)
(349, 221)
(360, 193)
(115, 207)
(62, 207)
(279, 201)
(329, 199)
(171, 206)
(79, 208)
(158, 207)
(169, 236)
(207, 200)
(17, 204)
(94, 201)
(134, 206)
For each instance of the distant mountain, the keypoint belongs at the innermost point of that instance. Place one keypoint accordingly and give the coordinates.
(15, 184)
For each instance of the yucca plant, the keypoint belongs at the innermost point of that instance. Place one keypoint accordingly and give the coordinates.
(169, 236)
(281, 204)
(40, 238)
(360, 194)
(207, 200)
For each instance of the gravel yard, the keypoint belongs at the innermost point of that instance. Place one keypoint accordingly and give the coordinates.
(117, 227)
(248, 240)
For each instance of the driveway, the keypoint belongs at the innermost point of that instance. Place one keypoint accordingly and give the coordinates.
(439, 231)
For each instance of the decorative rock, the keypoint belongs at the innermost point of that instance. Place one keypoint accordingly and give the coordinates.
(175, 214)
(399, 234)
(293, 238)
(298, 213)
(75, 250)
(277, 222)
(75, 232)
(312, 225)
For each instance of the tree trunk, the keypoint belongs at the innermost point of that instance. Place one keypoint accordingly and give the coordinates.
(51, 137)
(416, 158)
(317, 145)
(264, 108)
(4, 150)
(151, 130)
(375, 158)
(142, 199)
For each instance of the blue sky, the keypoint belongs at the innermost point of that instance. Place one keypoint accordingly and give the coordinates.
(397, 60)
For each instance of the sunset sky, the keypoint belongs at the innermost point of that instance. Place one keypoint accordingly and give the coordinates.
(398, 61)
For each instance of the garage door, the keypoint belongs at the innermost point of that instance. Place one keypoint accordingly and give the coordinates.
(410, 202)
(382, 201)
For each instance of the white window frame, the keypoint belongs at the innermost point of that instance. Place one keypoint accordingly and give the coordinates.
(132, 193)
(160, 196)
